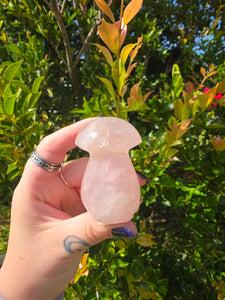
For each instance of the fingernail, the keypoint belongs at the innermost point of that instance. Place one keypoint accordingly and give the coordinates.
(102, 116)
(122, 232)
(142, 176)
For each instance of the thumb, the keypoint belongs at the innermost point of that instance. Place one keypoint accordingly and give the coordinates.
(84, 231)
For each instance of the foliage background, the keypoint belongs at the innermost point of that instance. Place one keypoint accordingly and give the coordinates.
(48, 79)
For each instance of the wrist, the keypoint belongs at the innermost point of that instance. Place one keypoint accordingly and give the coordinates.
(28, 283)
(19, 281)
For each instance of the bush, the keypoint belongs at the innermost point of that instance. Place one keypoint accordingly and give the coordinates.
(180, 251)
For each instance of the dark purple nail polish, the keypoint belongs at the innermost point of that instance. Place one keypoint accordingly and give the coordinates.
(122, 232)
(142, 176)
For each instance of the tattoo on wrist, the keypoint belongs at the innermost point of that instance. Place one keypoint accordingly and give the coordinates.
(73, 243)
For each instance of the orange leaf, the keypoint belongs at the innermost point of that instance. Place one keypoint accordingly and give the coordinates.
(185, 95)
(131, 101)
(84, 260)
(184, 125)
(106, 53)
(106, 9)
(206, 99)
(212, 73)
(181, 132)
(189, 88)
(131, 10)
(212, 67)
(218, 144)
(134, 92)
(135, 51)
(203, 71)
(147, 95)
(130, 69)
(110, 35)
(82, 269)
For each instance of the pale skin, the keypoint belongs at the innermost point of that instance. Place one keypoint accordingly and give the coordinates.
(50, 229)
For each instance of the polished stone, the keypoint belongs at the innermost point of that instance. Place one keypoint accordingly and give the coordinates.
(110, 189)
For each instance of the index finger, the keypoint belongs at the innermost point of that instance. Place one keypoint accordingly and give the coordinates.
(53, 148)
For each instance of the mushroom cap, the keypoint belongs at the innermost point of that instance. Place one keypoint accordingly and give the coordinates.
(108, 134)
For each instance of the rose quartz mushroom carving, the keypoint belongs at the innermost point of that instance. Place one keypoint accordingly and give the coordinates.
(110, 189)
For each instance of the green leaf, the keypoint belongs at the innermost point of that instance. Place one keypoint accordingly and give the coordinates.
(9, 102)
(169, 152)
(194, 108)
(109, 87)
(86, 107)
(119, 74)
(14, 49)
(171, 122)
(32, 99)
(178, 108)
(136, 106)
(37, 83)
(11, 168)
(6, 146)
(176, 76)
(215, 126)
(14, 174)
(145, 240)
(7, 92)
(19, 83)
(1, 23)
(185, 113)
(12, 70)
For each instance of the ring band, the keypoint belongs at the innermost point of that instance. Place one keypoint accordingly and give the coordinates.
(63, 179)
(46, 165)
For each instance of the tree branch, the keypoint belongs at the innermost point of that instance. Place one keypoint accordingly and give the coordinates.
(89, 37)
(85, 43)
(69, 58)
(81, 31)
(48, 4)
(70, 62)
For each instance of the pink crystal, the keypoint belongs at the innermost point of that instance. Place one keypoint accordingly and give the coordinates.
(110, 189)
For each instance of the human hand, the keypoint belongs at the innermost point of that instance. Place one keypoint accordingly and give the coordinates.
(50, 228)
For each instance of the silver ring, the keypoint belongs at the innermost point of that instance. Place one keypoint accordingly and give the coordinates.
(63, 179)
(46, 165)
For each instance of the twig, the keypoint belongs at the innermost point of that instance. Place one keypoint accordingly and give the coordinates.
(63, 6)
(81, 31)
(48, 4)
(85, 43)
(89, 37)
